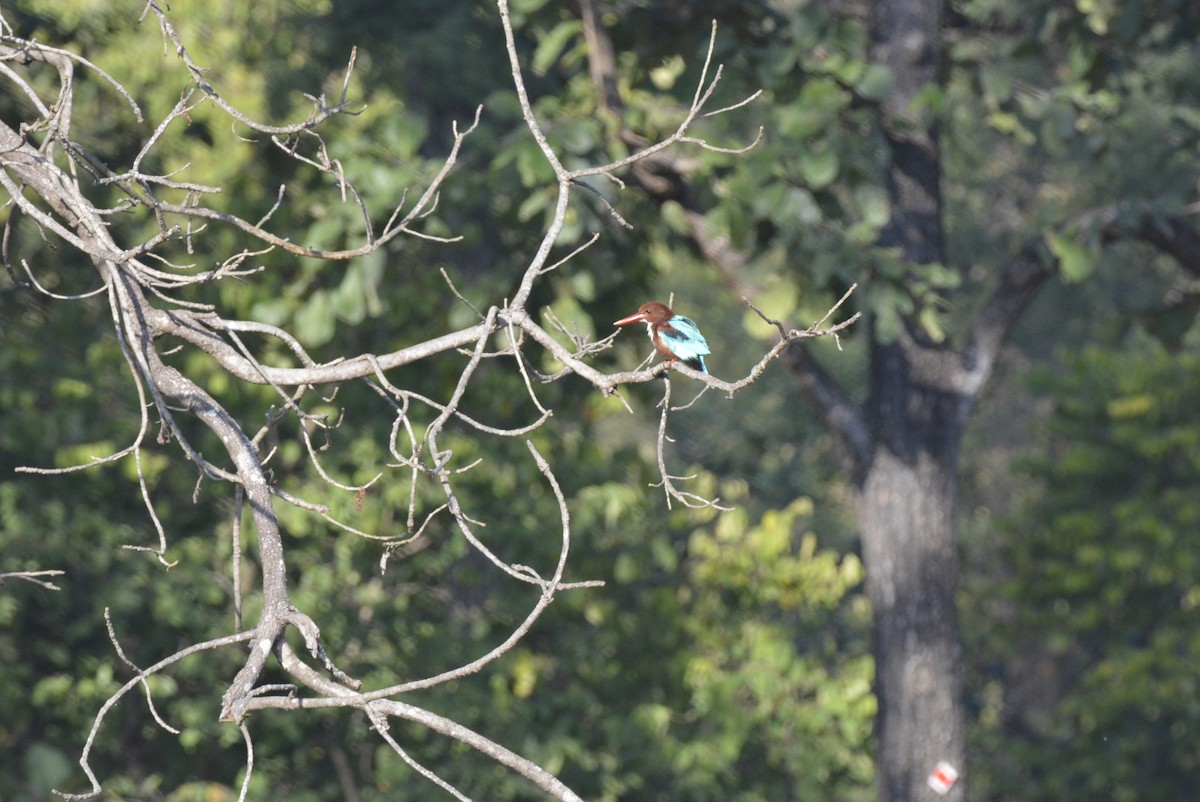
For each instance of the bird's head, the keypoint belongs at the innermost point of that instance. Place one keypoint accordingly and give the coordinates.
(655, 313)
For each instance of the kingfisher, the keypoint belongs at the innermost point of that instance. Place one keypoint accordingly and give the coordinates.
(674, 336)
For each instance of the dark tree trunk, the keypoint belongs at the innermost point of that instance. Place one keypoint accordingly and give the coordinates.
(906, 509)
(907, 489)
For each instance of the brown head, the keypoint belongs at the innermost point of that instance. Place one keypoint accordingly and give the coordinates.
(655, 313)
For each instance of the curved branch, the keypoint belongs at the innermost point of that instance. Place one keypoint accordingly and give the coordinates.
(439, 724)
(321, 112)
(1020, 282)
(1028, 272)
(1172, 235)
(835, 409)
(84, 762)
(393, 229)
(549, 587)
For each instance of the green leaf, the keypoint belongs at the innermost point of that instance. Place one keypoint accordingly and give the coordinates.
(347, 301)
(1009, 123)
(887, 324)
(876, 82)
(522, 9)
(533, 205)
(46, 767)
(1076, 261)
(819, 167)
(931, 321)
(1131, 406)
(996, 82)
(817, 107)
(372, 269)
(532, 164)
(930, 100)
(873, 205)
(552, 44)
(273, 311)
(583, 286)
(675, 217)
(578, 136)
(667, 73)
(315, 322)
(1099, 14)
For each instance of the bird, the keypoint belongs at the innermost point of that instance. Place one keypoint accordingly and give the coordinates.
(674, 336)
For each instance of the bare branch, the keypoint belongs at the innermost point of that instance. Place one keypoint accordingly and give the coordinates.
(381, 727)
(667, 482)
(112, 637)
(33, 577)
(701, 97)
(321, 111)
(195, 648)
(249, 762)
(15, 49)
(143, 278)
(337, 696)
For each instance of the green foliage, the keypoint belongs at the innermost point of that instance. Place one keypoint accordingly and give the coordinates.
(1095, 621)
(790, 683)
(1076, 260)
(61, 667)
(699, 676)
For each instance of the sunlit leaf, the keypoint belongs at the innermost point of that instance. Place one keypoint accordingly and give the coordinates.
(1076, 261)
(551, 45)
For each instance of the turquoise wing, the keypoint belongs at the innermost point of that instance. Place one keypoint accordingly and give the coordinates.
(683, 337)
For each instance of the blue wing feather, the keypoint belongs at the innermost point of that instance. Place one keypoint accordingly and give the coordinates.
(683, 337)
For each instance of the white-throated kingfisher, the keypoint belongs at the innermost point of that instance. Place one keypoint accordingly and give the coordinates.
(674, 336)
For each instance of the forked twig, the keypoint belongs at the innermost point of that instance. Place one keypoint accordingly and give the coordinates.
(34, 577)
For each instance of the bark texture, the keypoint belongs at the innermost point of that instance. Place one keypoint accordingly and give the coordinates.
(907, 488)
(906, 509)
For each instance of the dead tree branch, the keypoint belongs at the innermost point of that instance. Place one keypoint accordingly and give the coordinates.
(47, 176)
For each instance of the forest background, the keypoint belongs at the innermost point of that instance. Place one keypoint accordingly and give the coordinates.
(730, 654)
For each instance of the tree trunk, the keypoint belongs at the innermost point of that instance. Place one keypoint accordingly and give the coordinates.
(915, 414)
(902, 445)
(906, 504)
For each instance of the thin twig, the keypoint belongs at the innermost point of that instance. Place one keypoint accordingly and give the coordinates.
(33, 577)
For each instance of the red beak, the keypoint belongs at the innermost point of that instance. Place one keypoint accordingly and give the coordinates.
(637, 317)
